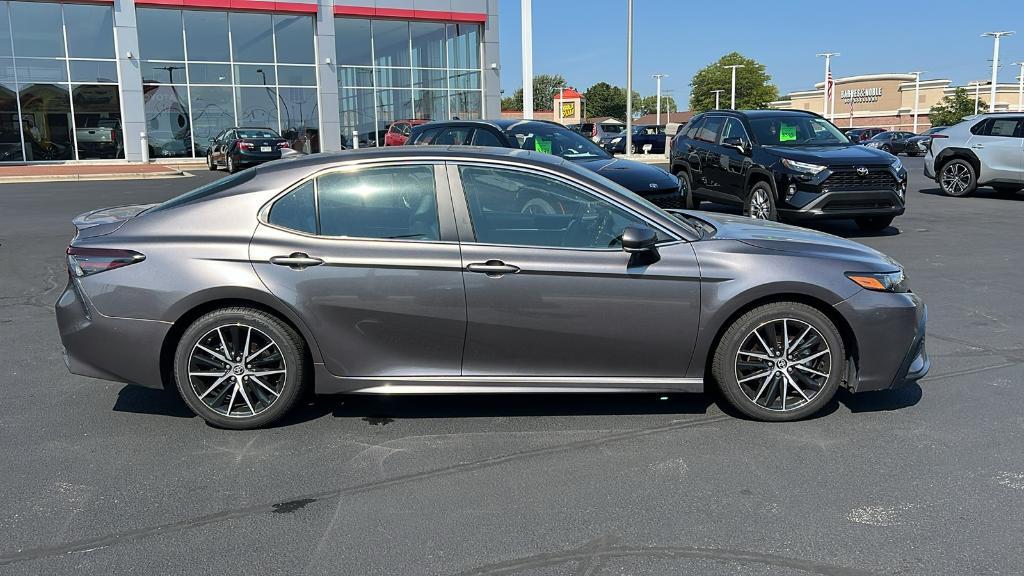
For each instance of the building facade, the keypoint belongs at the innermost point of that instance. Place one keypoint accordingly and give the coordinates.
(131, 79)
(887, 100)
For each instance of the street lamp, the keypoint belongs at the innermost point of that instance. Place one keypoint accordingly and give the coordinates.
(1020, 87)
(828, 95)
(717, 94)
(658, 78)
(629, 77)
(917, 94)
(734, 67)
(527, 31)
(995, 66)
(977, 94)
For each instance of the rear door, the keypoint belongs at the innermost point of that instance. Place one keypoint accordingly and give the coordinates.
(710, 154)
(551, 294)
(732, 165)
(368, 257)
(999, 146)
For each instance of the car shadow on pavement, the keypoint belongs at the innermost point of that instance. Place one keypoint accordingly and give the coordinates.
(982, 192)
(882, 400)
(140, 400)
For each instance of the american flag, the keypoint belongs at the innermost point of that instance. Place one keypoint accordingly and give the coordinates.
(829, 84)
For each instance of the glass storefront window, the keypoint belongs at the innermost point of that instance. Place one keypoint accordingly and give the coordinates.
(355, 77)
(391, 43)
(292, 35)
(5, 30)
(358, 113)
(352, 42)
(209, 73)
(296, 75)
(252, 37)
(392, 77)
(212, 112)
(428, 44)
(431, 104)
(300, 118)
(206, 34)
(466, 105)
(257, 107)
(160, 34)
(81, 22)
(98, 121)
(10, 126)
(464, 46)
(46, 122)
(94, 71)
(167, 124)
(255, 75)
(38, 29)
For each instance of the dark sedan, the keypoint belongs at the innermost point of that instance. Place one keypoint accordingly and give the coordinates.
(651, 182)
(236, 148)
(649, 139)
(462, 270)
(861, 135)
(918, 145)
(892, 141)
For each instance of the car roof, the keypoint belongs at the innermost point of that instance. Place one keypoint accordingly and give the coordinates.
(503, 124)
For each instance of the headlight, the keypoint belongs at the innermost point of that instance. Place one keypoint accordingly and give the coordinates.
(616, 140)
(880, 281)
(802, 166)
(871, 144)
(897, 165)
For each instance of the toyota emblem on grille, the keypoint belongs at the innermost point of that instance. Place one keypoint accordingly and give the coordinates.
(652, 185)
(862, 171)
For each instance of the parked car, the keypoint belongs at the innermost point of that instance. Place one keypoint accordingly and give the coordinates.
(892, 141)
(420, 270)
(601, 132)
(643, 135)
(649, 181)
(236, 148)
(100, 138)
(789, 165)
(861, 135)
(398, 132)
(918, 145)
(984, 150)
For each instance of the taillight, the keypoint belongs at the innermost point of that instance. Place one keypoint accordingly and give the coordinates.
(246, 146)
(284, 145)
(89, 261)
(933, 137)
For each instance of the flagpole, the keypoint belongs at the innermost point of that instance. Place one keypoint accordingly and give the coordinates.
(826, 97)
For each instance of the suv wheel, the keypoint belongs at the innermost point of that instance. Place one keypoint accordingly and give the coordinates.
(957, 178)
(760, 203)
(686, 191)
(874, 223)
(779, 362)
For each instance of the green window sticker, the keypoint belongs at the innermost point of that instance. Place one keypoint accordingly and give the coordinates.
(787, 132)
(541, 145)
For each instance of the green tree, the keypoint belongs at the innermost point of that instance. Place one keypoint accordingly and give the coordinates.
(603, 99)
(953, 108)
(754, 89)
(545, 86)
(649, 105)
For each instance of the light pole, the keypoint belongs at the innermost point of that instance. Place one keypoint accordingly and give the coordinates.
(717, 94)
(527, 26)
(917, 95)
(629, 78)
(977, 94)
(734, 67)
(1020, 87)
(995, 66)
(657, 78)
(827, 95)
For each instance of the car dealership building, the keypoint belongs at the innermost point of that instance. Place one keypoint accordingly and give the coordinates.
(120, 79)
(887, 100)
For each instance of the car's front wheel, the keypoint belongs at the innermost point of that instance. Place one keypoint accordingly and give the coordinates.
(210, 163)
(760, 203)
(240, 368)
(686, 191)
(232, 166)
(781, 361)
(957, 178)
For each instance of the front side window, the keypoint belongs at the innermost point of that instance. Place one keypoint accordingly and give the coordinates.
(734, 129)
(796, 131)
(516, 208)
(709, 130)
(391, 202)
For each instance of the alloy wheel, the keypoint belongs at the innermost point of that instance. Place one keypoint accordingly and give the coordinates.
(760, 205)
(783, 364)
(237, 371)
(955, 178)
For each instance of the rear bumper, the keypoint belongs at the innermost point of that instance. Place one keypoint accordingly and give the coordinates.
(245, 157)
(849, 204)
(119, 349)
(929, 169)
(890, 334)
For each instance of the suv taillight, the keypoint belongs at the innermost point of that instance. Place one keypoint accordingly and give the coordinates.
(88, 261)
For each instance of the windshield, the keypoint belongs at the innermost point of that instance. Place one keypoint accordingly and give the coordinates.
(256, 133)
(613, 128)
(796, 131)
(553, 139)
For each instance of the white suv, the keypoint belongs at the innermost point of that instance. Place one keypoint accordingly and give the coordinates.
(984, 150)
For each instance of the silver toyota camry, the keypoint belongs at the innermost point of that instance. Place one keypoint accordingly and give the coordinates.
(464, 270)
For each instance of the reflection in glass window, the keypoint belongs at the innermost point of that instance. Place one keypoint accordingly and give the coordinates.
(296, 210)
(252, 37)
(394, 202)
(206, 34)
(352, 41)
(90, 30)
(431, 104)
(159, 34)
(300, 118)
(423, 78)
(37, 28)
(294, 38)
(428, 44)
(392, 77)
(296, 75)
(355, 77)
(212, 112)
(255, 74)
(257, 107)
(5, 30)
(167, 124)
(464, 46)
(10, 129)
(93, 71)
(41, 70)
(209, 73)
(163, 72)
(357, 109)
(393, 105)
(466, 105)
(46, 122)
(98, 122)
(391, 43)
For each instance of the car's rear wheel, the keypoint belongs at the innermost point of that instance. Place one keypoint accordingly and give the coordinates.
(957, 178)
(210, 163)
(874, 223)
(240, 368)
(760, 203)
(780, 361)
(232, 167)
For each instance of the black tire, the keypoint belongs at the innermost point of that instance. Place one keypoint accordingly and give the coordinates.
(874, 223)
(210, 164)
(763, 213)
(686, 189)
(724, 370)
(289, 386)
(232, 167)
(957, 178)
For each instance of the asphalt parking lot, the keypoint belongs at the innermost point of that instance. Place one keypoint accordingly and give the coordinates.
(103, 478)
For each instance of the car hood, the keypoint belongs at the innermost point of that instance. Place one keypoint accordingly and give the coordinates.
(841, 155)
(637, 176)
(793, 239)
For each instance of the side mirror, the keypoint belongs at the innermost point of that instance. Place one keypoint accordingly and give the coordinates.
(636, 239)
(213, 139)
(736, 142)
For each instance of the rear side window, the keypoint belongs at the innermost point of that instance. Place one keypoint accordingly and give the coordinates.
(1006, 127)
(483, 137)
(427, 136)
(296, 210)
(710, 129)
(451, 136)
(693, 128)
(389, 202)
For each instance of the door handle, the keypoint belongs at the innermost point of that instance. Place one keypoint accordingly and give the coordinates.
(978, 146)
(296, 261)
(493, 268)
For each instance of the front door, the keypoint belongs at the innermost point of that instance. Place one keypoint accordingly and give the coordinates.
(549, 291)
(1000, 148)
(369, 259)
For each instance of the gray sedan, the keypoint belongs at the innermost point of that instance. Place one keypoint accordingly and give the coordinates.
(466, 270)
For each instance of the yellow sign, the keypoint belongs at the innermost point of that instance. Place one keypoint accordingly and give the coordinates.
(568, 109)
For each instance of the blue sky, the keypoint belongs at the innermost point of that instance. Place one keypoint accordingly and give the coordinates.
(585, 40)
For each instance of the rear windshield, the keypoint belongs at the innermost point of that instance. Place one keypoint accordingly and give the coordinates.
(256, 133)
(613, 128)
(206, 191)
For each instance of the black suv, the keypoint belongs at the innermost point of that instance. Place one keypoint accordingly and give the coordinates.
(787, 164)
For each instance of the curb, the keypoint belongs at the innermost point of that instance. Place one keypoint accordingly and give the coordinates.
(94, 177)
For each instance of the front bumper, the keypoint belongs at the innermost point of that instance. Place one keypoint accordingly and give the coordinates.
(664, 198)
(890, 333)
(119, 349)
(848, 204)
